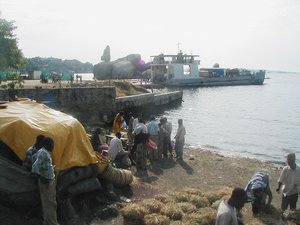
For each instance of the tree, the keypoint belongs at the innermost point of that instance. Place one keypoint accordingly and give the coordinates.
(10, 54)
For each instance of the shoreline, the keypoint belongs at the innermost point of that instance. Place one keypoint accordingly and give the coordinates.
(206, 171)
(275, 163)
(200, 169)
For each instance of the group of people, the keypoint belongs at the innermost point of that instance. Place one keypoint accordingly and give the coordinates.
(38, 160)
(146, 140)
(258, 192)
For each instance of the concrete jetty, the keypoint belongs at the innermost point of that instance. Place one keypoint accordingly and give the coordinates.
(93, 105)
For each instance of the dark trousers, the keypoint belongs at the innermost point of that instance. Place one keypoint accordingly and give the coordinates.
(290, 200)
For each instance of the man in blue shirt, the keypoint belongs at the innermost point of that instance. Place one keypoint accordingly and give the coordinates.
(47, 186)
(30, 156)
(258, 190)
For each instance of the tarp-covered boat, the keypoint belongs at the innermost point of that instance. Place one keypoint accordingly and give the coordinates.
(22, 121)
(77, 165)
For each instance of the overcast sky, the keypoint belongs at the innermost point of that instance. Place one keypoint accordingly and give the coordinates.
(254, 34)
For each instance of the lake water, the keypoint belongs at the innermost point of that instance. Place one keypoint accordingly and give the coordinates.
(254, 121)
(261, 121)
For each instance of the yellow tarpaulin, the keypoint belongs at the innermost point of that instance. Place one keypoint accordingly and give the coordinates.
(22, 121)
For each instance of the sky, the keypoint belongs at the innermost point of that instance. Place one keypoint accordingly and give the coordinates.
(253, 34)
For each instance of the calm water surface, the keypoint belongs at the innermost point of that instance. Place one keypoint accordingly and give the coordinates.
(254, 121)
(262, 121)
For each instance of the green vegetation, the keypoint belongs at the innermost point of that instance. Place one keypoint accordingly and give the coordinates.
(10, 55)
(58, 65)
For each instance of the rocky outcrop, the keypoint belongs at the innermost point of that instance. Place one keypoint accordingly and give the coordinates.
(130, 66)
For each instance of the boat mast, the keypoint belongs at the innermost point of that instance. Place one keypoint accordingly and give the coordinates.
(178, 47)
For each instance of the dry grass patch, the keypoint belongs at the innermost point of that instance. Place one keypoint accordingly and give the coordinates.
(180, 196)
(152, 205)
(172, 211)
(213, 196)
(192, 191)
(164, 198)
(187, 207)
(134, 212)
(182, 223)
(199, 201)
(204, 216)
(156, 219)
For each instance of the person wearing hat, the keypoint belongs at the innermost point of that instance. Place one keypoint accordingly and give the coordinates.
(258, 191)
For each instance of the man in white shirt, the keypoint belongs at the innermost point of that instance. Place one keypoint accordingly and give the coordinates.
(226, 214)
(116, 152)
(289, 180)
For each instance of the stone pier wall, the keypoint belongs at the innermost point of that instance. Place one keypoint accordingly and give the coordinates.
(94, 105)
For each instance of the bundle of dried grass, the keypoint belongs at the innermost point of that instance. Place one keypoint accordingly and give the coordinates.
(172, 211)
(204, 216)
(164, 198)
(193, 191)
(199, 201)
(222, 193)
(152, 205)
(156, 219)
(182, 223)
(180, 196)
(134, 212)
(187, 207)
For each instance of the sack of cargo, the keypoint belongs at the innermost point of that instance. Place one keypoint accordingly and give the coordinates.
(86, 185)
(75, 174)
(118, 177)
(103, 162)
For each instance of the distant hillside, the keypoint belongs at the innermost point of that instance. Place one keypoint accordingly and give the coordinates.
(58, 65)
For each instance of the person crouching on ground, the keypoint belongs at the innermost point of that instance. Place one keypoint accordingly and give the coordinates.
(289, 180)
(179, 140)
(227, 210)
(258, 190)
(116, 152)
(47, 186)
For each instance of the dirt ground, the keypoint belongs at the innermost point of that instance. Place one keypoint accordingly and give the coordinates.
(199, 169)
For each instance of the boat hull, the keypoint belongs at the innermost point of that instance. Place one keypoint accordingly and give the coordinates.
(257, 79)
(17, 186)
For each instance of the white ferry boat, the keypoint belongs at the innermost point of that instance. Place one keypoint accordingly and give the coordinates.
(183, 70)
